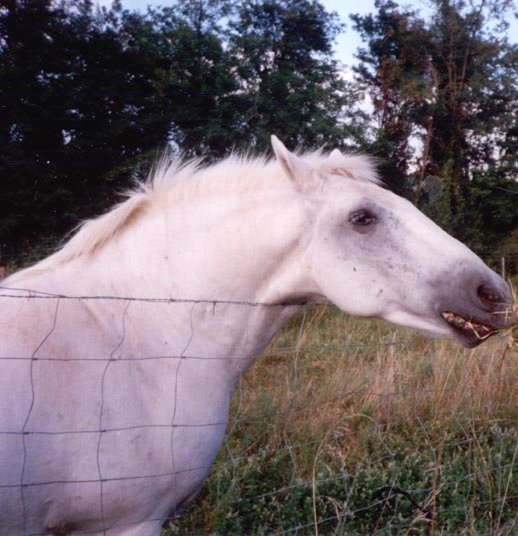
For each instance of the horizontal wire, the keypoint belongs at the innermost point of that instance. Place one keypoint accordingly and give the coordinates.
(36, 294)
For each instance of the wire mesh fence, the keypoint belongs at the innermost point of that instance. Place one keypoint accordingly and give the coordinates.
(343, 426)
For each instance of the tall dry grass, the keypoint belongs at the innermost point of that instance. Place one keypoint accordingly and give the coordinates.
(346, 374)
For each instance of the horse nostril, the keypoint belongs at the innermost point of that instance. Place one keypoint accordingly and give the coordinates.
(489, 295)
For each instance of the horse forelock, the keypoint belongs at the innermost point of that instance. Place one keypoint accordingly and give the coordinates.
(174, 182)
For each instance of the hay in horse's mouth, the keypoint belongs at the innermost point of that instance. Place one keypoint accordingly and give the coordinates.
(468, 328)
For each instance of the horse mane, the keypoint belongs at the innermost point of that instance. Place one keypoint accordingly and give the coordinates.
(173, 182)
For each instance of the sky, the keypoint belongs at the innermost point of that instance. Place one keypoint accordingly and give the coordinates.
(348, 41)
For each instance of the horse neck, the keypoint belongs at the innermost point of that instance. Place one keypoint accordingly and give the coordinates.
(228, 248)
(234, 263)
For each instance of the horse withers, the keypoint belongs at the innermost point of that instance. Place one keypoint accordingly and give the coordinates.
(119, 354)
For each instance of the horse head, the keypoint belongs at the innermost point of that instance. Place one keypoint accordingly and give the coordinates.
(373, 253)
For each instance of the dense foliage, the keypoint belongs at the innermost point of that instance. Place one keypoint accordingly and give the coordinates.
(90, 96)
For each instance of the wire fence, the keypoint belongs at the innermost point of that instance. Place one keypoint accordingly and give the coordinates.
(383, 449)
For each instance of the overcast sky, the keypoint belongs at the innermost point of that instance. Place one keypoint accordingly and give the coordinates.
(348, 41)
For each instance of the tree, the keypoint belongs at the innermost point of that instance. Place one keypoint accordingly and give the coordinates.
(468, 100)
(77, 99)
(199, 81)
(450, 83)
(394, 68)
(290, 84)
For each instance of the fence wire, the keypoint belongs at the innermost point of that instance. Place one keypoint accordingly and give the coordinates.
(382, 504)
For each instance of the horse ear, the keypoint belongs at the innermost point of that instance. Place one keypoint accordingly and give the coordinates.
(299, 172)
(337, 164)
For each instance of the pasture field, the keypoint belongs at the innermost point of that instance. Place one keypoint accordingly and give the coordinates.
(352, 426)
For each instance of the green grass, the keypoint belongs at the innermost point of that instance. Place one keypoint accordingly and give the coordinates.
(351, 426)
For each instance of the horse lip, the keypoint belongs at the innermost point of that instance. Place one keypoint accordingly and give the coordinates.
(471, 331)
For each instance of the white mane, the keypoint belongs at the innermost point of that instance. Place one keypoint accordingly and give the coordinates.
(178, 181)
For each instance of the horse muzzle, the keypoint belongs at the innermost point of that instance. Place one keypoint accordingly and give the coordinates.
(480, 314)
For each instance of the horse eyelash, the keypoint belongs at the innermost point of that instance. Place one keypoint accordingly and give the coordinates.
(362, 217)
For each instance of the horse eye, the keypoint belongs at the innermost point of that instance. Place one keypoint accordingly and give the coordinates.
(362, 217)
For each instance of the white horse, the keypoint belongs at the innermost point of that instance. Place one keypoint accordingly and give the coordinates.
(119, 353)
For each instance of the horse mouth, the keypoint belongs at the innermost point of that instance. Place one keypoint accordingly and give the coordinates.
(472, 333)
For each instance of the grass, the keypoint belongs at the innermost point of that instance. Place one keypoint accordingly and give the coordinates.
(349, 426)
